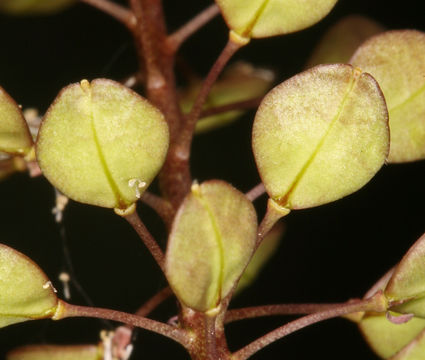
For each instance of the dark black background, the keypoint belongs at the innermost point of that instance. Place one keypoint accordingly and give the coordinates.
(330, 253)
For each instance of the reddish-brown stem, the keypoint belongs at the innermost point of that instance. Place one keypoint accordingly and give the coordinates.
(177, 183)
(158, 62)
(256, 192)
(208, 341)
(176, 39)
(155, 58)
(147, 43)
(162, 207)
(154, 301)
(240, 105)
(210, 337)
(147, 238)
(186, 135)
(377, 303)
(280, 309)
(118, 12)
(66, 310)
(123, 333)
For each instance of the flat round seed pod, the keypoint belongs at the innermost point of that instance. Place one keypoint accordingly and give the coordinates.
(101, 143)
(388, 339)
(211, 241)
(396, 59)
(15, 137)
(407, 284)
(340, 42)
(25, 291)
(264, 18)
(320, 136)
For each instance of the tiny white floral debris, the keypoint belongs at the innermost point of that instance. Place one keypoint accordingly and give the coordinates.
(33, 120)
(49, 284)
(116, 344)
(137, 184)
(61, 202)
(106, 338)
(121, 343)
(65, 279)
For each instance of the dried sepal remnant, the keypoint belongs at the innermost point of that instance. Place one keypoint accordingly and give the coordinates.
(101, 143)
(15, 137)
(30, 7)
(211, 241)
(56, 352)
(340, 42)
(25, 291)
(320, 135)
(396, 59)
(264, 18)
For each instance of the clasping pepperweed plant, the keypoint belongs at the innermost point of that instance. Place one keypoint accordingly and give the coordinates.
(128, 147)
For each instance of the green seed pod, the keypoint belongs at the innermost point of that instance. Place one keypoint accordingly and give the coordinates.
(25, 291)
(101, 143)
(390, 340)
(400, 334)
(407, 284)
(15, 137)
(264, 18)
(320, 136)
(340, 42)
(396, 59)
(211, 242)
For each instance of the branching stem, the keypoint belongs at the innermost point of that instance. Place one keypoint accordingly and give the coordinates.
(176, 39)
(162, 207)
(119, 12)
(256, 192)
(280, 309)
(147, 238)
(157, 61)
(154, 301)
(66, 310)
(375, 304)
(146, 42)
(185, 139)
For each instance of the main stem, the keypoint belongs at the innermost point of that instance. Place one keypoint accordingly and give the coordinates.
(157, 59)
(208, 340)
